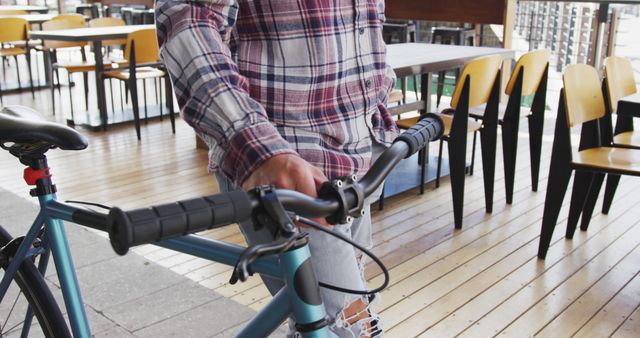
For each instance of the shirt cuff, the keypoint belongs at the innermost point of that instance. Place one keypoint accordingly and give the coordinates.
(249, 148)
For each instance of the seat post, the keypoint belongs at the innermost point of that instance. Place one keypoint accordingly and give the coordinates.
(38, 173)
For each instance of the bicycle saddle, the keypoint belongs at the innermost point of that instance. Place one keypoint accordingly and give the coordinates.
(19, 124)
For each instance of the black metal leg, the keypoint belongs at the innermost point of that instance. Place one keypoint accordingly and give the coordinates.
(70, 121)
(439, 166)
(457, 151)
(85, 78)
(169, 98)
(28, 57)
(536, 124)
(590, 203)
(144, 97)
(609, 192)
(18, 72)
(509, 152)
(488, 135)
(581, 183)
(134, 102)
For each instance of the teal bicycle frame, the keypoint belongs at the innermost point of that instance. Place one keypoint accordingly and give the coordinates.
(305, 305)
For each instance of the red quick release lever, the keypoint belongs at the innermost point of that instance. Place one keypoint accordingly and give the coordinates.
(31, 176)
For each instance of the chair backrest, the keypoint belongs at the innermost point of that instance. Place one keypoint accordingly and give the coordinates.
(61, 24)
(13, 29)
(534, 64)
(12, 12)
(109, 22)
(619, 79)
(146, 46)
(583, 100)
(79, 18)
(483, 72)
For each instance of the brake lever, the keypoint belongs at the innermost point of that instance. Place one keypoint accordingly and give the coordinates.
(242, 269)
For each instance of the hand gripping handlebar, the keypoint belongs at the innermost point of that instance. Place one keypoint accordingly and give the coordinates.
(156, 223)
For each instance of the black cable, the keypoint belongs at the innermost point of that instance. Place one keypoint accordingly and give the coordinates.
(89, 203)
(324, 229)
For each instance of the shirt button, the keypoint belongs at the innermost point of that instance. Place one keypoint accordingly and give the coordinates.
(361, 30)
(368, 83)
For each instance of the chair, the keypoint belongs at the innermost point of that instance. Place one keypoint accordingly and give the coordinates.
(581, 104)
(77, 18)
(52, 46)
(13, 30)
(478, 84)
(143, 59)
(618, 83)
(528, 78)
(13, 12)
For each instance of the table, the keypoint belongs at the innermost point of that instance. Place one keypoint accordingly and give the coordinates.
(95, 35)
(424, 59)
(29, 9)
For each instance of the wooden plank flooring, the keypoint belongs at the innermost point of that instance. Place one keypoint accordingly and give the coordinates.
(483, 280)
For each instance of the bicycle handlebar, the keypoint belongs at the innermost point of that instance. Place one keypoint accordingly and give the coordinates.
(156, 223)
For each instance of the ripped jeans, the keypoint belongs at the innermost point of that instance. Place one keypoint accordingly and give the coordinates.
(335, 262)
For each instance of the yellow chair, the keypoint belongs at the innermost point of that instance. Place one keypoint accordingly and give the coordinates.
(14, 29)
(478, 84)
(581, 104)
(143, 57)
(109, 22)
(12, 12)
(77, 18)
(51, 47)
(529, 77)
(618, 83)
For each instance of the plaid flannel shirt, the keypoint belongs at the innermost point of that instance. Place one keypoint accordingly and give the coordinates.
(266, 77)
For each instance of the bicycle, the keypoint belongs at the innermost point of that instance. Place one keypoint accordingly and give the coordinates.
(24, 259)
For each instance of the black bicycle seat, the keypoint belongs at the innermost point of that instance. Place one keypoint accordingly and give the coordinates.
(19, 124)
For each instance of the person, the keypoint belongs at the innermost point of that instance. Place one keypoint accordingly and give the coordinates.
(289, 93)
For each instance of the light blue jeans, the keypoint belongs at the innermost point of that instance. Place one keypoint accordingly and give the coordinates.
(335, 262)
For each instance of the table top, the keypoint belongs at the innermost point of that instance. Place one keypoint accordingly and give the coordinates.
(40, 9)
(421, 58)
(88, 34)
(629, 105)
(33, 18)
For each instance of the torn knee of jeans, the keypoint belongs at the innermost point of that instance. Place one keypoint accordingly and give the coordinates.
(357, 317)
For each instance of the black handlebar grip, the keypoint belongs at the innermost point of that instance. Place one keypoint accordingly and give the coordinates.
(429, 128)
(156, 223)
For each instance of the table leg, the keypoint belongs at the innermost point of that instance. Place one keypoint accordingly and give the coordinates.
(426, 86)
(102, 102)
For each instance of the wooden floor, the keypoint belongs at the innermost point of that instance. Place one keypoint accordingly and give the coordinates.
(483, 280)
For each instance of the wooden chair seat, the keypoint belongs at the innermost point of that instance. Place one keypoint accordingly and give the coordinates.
(395, 96)
(609, 159)
(446, 118)
(627, 139)
(12, 51)
(141, 73)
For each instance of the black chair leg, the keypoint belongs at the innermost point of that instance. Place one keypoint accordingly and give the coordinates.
(28, 57)
(169, 98)
(85, 77)
(70, 121)
(536, 124)
(488, 137)
(113, 105)
(439, 166)
(457, 151)
(509, 152)
(590, 203)
(581, 186)
(609, 192)
(473, 153)
(558, 181)
(134, 102)
(440, 88)
(18, 73)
